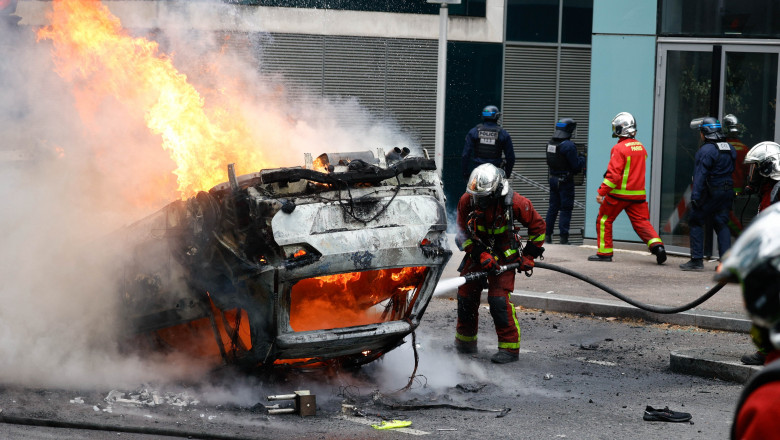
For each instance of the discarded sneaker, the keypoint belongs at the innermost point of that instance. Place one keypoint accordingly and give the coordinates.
(504, 357)
(693, 264)
(665, 415)
(598, 257)
(756, 358)
(660, 254)
(465, 347)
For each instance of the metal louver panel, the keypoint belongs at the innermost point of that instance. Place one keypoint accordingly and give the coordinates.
(383, 75)
(529, 116)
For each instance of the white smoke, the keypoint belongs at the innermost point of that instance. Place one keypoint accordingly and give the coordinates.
(88, 171)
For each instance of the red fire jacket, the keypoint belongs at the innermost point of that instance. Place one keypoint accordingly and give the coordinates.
(625, 176)
(740, 169)
(492, 225)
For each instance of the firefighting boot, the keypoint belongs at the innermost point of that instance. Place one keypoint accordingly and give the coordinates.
(465, 347)
(693, 264)
(598, 257)
(504, 357)
(660, 254)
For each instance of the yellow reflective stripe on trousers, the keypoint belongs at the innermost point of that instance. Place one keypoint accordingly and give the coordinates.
(512, 345)
(602, 243)
(653, 240)
(460, 337)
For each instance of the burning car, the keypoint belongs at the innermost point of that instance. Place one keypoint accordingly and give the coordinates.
(331, 263)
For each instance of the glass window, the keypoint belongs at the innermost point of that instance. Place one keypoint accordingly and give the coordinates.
(720, 18)
(688, 79)
(577, 21)
(532, 20)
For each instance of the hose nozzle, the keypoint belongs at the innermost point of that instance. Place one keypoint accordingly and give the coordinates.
(474, 276)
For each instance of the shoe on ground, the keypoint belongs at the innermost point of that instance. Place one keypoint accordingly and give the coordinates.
(756, 358)
(465, 347)
(548, 239)
(504, 357)
(660, 254)
(598, 257)
(564, 239)
(693, 264)
(665, 415)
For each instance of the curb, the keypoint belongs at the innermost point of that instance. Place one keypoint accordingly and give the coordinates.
(610, 308)
(712, 365)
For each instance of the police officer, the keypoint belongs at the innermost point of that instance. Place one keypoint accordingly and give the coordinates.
(754, 263)
(713, 189)
(486, 142)
(487, 234)
(563, 163)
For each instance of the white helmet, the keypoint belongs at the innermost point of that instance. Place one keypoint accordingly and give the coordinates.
(623, 125)
(487, 182)
(731, 125)
(766, 156)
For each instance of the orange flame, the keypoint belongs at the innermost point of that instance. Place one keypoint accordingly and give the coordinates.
(349, 299)
(93, 51)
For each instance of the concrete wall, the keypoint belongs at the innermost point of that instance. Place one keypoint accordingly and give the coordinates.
(622, 79)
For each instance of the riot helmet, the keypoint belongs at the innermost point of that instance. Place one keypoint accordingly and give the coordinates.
(764, 158)
(731, 125)
(564, 128)
(486, 184)
(754, 262)
(490, 113)
(709, 127)
(623, 125)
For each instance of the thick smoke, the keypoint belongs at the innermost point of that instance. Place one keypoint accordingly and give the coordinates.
(72, 174)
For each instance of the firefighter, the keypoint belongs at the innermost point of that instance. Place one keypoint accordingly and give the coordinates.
(486, 233)
(764, 173)
(623, 189)
(486, 143)
(732, 129)
(713, 190)
(754, 263)
(563, 163)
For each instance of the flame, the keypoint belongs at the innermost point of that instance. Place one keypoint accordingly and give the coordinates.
(93, 52)
(355, 298)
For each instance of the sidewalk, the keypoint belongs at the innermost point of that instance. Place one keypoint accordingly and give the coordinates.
(635, 274)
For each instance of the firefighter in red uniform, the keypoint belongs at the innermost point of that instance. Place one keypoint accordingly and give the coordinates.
(764, 174)
(754, 263)
(623, 189)
(486, 233)
(732, 128)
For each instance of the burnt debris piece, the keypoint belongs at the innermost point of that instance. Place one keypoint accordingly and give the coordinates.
(330, 263)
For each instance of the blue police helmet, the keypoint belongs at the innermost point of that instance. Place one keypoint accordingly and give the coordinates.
(711, 129)
(490, 113)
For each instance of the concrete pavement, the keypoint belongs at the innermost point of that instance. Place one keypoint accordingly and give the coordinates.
(634, 273)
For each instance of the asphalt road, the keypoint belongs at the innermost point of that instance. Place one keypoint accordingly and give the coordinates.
(578, 377)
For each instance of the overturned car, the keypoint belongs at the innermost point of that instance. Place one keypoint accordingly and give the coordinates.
(333, 263)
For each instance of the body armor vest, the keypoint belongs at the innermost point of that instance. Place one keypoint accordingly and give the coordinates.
(488, 147)
(555, 159)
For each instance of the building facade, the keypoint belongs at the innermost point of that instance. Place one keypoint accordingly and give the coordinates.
(668, 62)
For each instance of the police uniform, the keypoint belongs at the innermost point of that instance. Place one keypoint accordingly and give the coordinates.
(486, 143)
(712, 194)
(563, 162)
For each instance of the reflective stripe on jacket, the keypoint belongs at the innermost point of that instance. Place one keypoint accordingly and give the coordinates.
(625, 176)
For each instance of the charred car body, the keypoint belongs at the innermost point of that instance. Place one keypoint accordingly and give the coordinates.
(333, 262)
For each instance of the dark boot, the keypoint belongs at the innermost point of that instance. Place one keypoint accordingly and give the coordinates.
(598, 257)
(548, 238)
(756, 358)
(693, 264)
(564, 238)
(465, 347)
(504, 357)
(660, 254)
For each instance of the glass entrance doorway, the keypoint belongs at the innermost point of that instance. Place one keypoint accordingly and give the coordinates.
(745, 79)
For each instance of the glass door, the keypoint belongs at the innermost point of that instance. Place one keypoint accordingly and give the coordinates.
(746, 79)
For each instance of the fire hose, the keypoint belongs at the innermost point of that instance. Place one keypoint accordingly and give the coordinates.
(473, 276)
